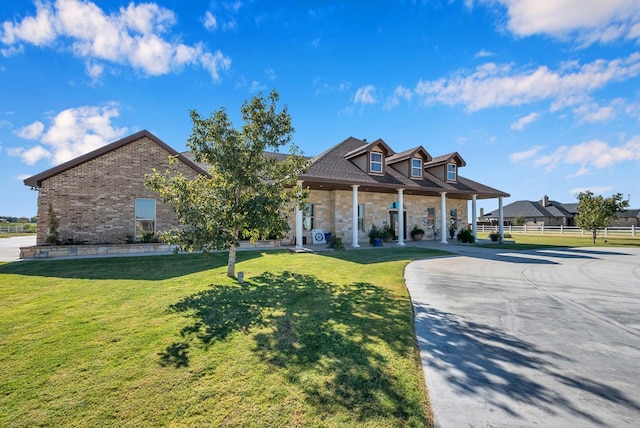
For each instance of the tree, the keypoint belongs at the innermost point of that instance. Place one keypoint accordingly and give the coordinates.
(519, 220)
(246, 194)
(595, 212)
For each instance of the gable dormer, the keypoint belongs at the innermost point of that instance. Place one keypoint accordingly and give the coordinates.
(446, 167)
(410, 163)
(370, 157)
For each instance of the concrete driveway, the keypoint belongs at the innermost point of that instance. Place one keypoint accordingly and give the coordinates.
(10, 247)
(523, 339)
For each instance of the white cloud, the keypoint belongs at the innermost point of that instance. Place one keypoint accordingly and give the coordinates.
(483, 54)
(210, 22)
(597, 190)
(270, 73)
(519, 124)
(593, 112)
(527, 154)
(73, 132)
(365, 95)
(31, 132)
(496, 85)
(400, 93)
(588, 155)
(133, 36)
(256, 86)
(587, 21)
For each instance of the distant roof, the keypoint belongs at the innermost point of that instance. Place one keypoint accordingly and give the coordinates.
(533, 209)
(35, 180)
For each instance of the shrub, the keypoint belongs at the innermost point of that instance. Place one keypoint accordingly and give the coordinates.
(466, 236)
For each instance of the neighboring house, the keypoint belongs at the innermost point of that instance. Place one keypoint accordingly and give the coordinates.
(552, 213)
(100, 197)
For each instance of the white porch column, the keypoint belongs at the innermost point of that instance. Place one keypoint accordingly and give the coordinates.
(299, 223)
(474, 217)
(354, 217)
(500, 217)
(400, 217)
(443, 219)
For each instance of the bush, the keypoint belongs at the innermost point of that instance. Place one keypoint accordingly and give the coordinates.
(466, 236)
(336, 243)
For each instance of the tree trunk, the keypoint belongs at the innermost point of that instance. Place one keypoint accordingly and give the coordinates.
(231, 262)
(594, 232)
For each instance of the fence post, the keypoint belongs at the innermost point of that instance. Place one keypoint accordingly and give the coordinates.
(525, 228)
(542, 229)
(633, 230)
(606, 231)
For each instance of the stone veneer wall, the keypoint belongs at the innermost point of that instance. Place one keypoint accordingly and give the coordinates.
(333, 212)
(94, 201)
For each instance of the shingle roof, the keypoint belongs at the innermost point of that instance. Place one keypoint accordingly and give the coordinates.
(532, 209)
(332, 166)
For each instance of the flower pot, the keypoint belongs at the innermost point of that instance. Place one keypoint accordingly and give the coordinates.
(418, 237)
(377, 242)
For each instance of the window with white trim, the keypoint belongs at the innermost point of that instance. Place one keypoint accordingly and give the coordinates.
(145, 217)
(375, 164)
(416, 168)
(452, 173)
(307, 217)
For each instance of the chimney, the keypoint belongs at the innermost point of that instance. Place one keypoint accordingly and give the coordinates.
(481, 212)
(545, 201)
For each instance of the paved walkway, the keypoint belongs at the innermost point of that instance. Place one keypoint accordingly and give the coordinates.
(10, 247)
(523, 339)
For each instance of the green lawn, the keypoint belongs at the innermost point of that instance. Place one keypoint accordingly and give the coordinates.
(532, 242)
(307, 340)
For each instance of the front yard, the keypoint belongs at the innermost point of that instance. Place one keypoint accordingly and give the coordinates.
(307, 340)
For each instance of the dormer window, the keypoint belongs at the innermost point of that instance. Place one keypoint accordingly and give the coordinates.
(452, 174)
(416, 168)
(375, 164)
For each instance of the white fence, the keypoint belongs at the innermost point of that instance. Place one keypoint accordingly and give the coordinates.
(619, 232)
(11, 229)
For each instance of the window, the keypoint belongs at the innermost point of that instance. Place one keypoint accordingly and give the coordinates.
(145, 217)
(307, 217)
(451, 172)
(376, 162)
(361, 218)
(416, 167)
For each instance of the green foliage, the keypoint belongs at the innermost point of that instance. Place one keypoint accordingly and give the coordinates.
(519, 220)
(336, 242)
(466, 236)
(388, 233)
(495, 236)
(150, 237)
(246, 193)
(416, 231)
(375, 232)
(54, 236)
(595, 212)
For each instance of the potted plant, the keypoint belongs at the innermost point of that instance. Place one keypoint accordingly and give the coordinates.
(388, 234)
(375, 236)
(494, 236)
(417, 233)
(452, 229)
(466, 236)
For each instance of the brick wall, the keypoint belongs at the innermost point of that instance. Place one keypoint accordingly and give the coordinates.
(94, 201)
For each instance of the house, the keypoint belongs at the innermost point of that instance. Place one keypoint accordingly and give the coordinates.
(357, 184)
(552, 213)
(544, 212)
(100, 197)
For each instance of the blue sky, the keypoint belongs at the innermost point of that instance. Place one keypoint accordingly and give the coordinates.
(538, 97)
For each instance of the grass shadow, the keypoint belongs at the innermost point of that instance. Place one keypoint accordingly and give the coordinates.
(324, 338)
(147, 268)
(381, 255)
